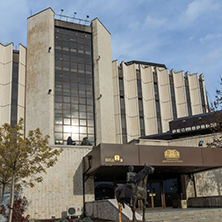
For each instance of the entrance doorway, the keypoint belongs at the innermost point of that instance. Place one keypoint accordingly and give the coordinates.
(162, 193)
(154, 194)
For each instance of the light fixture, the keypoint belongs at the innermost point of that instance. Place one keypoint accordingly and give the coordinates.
(98, 58)
(50, 90)
(100, 96)
(49, 49)
(200, 143)
(184, 121)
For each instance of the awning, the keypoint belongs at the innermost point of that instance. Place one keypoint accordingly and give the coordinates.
(165, 159)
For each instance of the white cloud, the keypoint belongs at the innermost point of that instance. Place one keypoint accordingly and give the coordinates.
(210, 37)
(198, 8)
(154, 22)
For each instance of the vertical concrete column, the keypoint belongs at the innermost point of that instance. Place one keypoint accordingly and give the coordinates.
(103, 84)
(149, 106)
(204, 92)
(6, 64)
(40, 73)
(195, 97)
(131, 101)
(116, 94)
(165, 98)
(21, 82)
(180, 94)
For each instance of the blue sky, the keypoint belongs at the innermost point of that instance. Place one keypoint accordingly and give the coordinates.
(182, 34)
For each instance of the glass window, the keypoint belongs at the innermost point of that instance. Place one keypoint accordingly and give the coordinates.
(74, 89)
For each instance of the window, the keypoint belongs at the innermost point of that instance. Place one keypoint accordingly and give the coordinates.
(74, 113)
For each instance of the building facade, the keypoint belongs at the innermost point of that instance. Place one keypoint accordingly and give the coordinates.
(66, 83)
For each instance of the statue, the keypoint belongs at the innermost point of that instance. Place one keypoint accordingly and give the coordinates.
(135, 189)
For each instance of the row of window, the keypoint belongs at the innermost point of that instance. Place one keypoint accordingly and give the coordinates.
(74, 113)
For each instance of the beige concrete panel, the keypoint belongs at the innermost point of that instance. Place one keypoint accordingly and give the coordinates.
(204, 91)
(131, 101)
(150, 126)
(130, 81)
(146, 74)
(22, 54)
(7, 72)
(103, 80)
(40, 73)
(180, 94)
(22, 74)
(6, 114)
(22, 65)
(21, 95)
(7, 89)
(117, 112)
(165, 98)
(62, 186)
(20, 112)
(1, 53)
(149, 106)
(195, 97)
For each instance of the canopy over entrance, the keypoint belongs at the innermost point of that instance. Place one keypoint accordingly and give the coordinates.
(107, 158)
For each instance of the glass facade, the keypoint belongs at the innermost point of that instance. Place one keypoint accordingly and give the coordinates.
(74, 105)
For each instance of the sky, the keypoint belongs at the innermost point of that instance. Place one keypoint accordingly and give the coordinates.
(182, 34)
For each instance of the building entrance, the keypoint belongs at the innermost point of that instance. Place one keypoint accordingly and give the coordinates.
(155, 195)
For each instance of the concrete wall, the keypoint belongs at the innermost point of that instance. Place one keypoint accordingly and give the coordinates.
(149, 100)
(209, 183)
(117, 111)
(103, 84)
(195, 97)
(6, 64)
(131, 101)
(149, 106)
(21, 82)
(165, 98)
(62, 186)
(40, 73)
(180, 94)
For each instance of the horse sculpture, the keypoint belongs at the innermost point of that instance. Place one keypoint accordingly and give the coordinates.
(137, 191)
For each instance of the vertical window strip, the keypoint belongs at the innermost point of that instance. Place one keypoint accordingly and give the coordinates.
(14, 98)
(188, 98)
(123, 111)
(173, 99)
(140, 105)
(158, 112)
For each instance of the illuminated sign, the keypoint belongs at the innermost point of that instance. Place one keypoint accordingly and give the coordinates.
(194, 128)
(114, 159)
(172, 156)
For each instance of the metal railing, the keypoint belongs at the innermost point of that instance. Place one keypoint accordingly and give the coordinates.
(73, 19)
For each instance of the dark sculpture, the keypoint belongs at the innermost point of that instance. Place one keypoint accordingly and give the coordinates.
(135, 189)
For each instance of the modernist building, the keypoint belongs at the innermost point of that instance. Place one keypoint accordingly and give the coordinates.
(66, 83)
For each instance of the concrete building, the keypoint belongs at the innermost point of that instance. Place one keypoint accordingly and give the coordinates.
(66, 83)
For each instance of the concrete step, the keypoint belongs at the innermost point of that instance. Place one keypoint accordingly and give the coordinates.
(186, 215)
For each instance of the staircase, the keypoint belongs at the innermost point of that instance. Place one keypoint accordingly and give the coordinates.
(186, 215)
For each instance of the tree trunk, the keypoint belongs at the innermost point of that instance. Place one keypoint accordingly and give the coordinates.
(3, 192)
(12, 191)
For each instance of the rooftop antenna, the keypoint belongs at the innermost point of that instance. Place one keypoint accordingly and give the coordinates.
(31, 12)
(74, 15)
(61, 13)
(86, 18)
